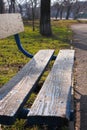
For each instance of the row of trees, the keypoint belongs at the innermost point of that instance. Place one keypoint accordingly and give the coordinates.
(31, 6)
(68, 7)
(11, 6)
(2, 9)
(45, 27)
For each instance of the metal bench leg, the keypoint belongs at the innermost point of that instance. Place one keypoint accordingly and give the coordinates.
(17, 39)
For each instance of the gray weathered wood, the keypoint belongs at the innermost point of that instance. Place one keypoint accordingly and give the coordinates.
(10, 24)
(14, 94)
(53, 100)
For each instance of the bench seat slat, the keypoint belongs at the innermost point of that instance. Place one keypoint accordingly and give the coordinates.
(14, 94)
(53, 100)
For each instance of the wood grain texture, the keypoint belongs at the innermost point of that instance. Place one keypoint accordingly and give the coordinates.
(14, 94)
(53, 100)
(10, 24)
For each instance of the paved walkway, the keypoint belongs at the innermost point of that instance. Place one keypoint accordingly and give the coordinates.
(80, 44)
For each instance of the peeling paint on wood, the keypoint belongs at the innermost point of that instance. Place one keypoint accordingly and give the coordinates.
(14, 94)
(54, 97)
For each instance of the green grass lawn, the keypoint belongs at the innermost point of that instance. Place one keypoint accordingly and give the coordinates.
(12, 60)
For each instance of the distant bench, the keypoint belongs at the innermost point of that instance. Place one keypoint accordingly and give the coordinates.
(53, 103)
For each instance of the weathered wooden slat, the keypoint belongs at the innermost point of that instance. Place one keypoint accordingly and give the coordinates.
(10, 24)
(53, 101)
(14, 94)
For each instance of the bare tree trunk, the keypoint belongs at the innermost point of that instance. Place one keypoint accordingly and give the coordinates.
(34, 5)
(20, 7)
(2, 9)
(12, 6)
(68, 11)
(33, 17)
(45, 26)
(61, 11)
(76, 11)
(57, 13)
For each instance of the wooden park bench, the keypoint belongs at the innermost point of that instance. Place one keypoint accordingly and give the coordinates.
(53, 103)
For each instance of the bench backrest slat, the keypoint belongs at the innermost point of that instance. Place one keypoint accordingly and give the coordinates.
(10, 24)
(54, 97)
